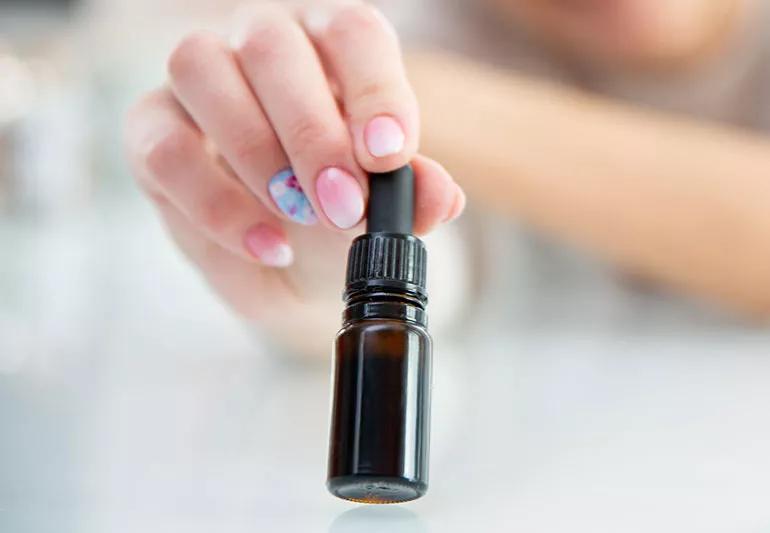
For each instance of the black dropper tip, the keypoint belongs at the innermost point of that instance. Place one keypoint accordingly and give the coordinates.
(391, 202)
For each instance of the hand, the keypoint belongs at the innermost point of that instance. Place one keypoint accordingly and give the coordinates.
(256, 152)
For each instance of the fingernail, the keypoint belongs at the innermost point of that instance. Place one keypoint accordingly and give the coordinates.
(458, 206)
(269, 246)
(341, 197)
(384, 136)
(288, 195)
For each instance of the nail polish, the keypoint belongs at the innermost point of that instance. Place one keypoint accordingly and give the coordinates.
(269, 246)
(341, 197)
(380, 425)
(288, 195)
(384, 136)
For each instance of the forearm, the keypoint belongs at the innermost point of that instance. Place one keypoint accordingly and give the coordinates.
(683, 202)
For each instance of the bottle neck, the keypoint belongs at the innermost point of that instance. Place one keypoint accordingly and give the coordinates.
(385, 305)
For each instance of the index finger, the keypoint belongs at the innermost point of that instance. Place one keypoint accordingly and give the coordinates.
(362, 52)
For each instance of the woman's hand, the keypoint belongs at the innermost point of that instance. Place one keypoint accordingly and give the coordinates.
(256, 152)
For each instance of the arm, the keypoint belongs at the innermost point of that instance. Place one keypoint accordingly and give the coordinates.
(676, 200)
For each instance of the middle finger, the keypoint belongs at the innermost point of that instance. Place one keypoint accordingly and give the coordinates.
(207, 80)
(285, 72)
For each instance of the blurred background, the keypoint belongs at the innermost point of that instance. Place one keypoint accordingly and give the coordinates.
(131, 399)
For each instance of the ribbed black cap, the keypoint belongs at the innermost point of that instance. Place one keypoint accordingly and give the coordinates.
(389, 257)
(387, 261)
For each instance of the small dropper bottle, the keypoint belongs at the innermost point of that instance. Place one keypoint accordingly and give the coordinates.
(382, 370)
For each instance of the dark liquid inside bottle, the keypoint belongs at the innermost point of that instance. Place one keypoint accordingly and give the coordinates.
(381, 403)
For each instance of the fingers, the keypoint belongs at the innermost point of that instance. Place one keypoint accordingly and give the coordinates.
(362, 51)
(246, 287)
(170, 159)
(284, 71)
(438, 198)
(267, 106)
(207, 80)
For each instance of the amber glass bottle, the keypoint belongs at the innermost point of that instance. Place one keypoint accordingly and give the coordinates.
(379, 443)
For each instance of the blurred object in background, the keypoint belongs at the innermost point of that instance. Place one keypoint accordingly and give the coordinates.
(45, 181)
(76, 237)
(43, 112)
(16, 88)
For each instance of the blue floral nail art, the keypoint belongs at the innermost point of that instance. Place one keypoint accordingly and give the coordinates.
(289, 197)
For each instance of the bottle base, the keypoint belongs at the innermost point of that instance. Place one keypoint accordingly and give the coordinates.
(376, 489)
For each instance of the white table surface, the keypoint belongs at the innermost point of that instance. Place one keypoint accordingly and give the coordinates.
(130, 400)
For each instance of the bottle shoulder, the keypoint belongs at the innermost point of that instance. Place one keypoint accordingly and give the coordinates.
(386, 338)
(383, 325)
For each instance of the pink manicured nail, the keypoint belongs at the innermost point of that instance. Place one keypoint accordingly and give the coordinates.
(341, 197)
(384, 136)
(269, 246)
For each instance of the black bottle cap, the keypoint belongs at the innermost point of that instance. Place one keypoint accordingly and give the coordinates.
(388, 257)
(389, 262)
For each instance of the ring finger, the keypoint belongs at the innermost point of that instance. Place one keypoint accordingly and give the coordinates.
(171, 162)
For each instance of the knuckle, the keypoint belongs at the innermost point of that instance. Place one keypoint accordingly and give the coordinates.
(186, 57)
(308, 131)
(216, 213)
(372, 90)
(358, 21)
(262, 39)
(168, 152)
(252, 144)
(137, 119)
